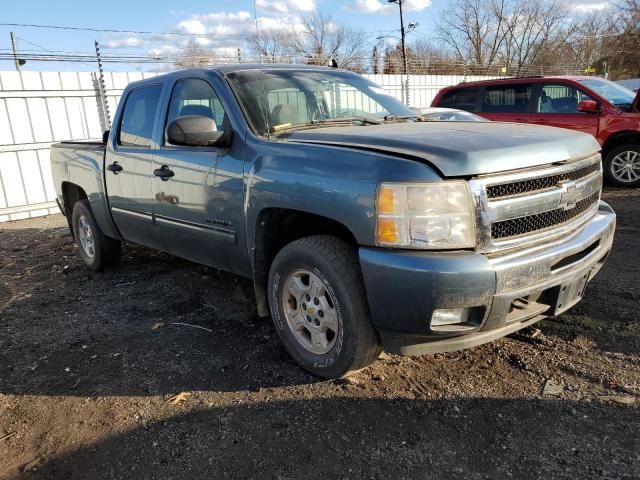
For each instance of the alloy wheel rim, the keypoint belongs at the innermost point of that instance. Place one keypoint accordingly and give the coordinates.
(310, 311)
(85, 235)
(625, 166)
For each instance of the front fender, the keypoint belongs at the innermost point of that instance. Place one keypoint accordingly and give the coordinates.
(333, 182)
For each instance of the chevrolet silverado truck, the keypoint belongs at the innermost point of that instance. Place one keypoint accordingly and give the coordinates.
(361, 227)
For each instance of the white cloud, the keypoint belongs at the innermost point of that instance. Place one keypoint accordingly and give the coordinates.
(286, 6)
(382, 6)
(219, 22)
(221, 33)
(591, 6)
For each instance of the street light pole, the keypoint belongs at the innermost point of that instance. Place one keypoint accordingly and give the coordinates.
(404, 47)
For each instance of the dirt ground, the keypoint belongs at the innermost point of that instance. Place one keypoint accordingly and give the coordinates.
(89, 363)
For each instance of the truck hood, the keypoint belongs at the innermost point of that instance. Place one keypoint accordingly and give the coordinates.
(459, 149)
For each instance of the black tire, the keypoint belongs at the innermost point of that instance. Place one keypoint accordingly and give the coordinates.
(609, 167)
(356, 343)
(106, 250)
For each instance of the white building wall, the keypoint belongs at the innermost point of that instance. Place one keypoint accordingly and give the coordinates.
(39, 108)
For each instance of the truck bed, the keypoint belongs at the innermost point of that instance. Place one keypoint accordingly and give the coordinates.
(80, 145)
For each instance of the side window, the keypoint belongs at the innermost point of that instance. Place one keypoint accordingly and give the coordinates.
(557, 98)
(136, 126)
(507, 99)
(194, 96)
(464, 99)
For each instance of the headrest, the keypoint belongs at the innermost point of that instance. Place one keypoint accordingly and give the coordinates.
(285, 113)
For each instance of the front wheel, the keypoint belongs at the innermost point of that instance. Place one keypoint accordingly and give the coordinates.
(622, 165)
(319, 307)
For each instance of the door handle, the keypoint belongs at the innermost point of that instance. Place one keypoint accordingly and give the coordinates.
(164, 173)
(115, 167)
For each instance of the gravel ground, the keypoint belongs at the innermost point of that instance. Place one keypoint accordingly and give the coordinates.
(91, 364)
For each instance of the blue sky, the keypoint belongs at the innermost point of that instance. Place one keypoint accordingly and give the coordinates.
(226, 22)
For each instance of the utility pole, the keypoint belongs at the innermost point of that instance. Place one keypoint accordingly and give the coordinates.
(16, 60)
(404, 48)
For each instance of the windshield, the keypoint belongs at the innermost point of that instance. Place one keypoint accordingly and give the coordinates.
(276, 100)
(614, 93)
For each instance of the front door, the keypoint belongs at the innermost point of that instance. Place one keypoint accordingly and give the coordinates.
(556, 105)
(197, 216)
(128, 168)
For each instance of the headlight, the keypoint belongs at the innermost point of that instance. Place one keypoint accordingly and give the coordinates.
(425, 215)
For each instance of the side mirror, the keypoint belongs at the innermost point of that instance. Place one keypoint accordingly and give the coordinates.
(196, 131)
(588, 106)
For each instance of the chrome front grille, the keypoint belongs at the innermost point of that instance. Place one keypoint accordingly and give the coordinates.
(538, 184)
(523, 207)
(541, 221)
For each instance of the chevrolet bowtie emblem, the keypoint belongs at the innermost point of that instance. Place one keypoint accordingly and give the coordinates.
(569, 195)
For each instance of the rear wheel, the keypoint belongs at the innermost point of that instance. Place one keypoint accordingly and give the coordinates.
(96, 250)
(622, 165)
(319, 307)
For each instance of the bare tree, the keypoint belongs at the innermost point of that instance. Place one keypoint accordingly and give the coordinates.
(506, 33)
(318, 40)
(427, 58)
(530, 27)
(195, 55)
(474, 30)
(272, 45)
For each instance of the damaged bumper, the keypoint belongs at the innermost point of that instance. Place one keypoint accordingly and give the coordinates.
(498, 293)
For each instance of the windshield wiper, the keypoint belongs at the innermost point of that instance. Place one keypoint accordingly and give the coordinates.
(328, 122)
(393, 116)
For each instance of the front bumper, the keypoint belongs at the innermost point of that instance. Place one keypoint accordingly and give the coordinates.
(505, 292)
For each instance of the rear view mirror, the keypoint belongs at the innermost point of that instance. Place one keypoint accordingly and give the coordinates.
(588, 106)
(196, 131)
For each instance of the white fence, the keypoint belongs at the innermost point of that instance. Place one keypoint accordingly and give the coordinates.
(39, 108)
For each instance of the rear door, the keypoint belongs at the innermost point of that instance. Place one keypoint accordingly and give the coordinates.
(556, 105)
(198, 210)
(508, 102)
(128, 165)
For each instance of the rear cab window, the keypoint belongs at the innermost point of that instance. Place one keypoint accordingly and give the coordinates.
(138, 116)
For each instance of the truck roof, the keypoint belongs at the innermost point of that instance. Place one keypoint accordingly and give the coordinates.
(229, 68)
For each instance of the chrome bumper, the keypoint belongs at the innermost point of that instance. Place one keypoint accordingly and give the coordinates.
(538, 269)
(534, 267)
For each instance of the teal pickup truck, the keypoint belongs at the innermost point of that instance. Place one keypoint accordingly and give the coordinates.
(362, 226)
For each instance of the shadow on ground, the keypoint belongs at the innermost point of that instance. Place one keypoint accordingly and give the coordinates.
(358, 438)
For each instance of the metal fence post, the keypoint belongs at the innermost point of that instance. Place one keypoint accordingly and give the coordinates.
(102, 88)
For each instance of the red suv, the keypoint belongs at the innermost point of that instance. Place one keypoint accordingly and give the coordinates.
(606, 110)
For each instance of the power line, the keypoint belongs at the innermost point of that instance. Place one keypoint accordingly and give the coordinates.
(43, 48)
(111, 30)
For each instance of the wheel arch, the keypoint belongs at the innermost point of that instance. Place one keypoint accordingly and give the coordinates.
(620, 138)
(71, 193)
(277, 227)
